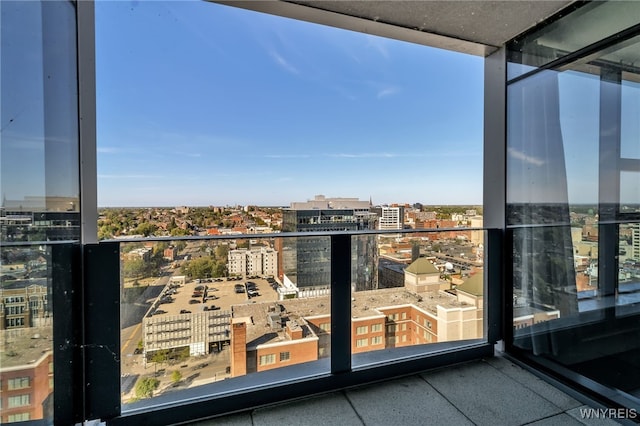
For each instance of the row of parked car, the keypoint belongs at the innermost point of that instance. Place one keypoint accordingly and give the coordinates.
(250, 288)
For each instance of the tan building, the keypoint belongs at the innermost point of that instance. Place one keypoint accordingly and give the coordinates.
(24, 307)
(257, 261)
(422, 275)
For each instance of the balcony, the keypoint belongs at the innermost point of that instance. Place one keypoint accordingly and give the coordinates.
(552, 274)
(492, 391)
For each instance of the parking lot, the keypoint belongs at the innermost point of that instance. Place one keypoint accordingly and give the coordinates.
(213, 294)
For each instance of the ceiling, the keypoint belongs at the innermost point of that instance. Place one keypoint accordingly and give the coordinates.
(477, 27)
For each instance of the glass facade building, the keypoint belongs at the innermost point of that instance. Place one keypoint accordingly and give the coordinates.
(561, 275)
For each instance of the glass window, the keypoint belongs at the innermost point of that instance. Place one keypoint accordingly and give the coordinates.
(630, 127)
(362, 329)
(156, 147)
(20, 417)
(554, 41)
(285, 356)
(360, 343)
(18, 383)
(39, 152)
(573, 193)
(267, 359)
(18, 401)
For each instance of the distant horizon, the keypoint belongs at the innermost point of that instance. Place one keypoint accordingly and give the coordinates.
(272, 206)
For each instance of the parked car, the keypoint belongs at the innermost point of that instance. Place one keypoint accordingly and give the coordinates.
(185, 311)
(194, 301)
(239, 288)
(253, 293)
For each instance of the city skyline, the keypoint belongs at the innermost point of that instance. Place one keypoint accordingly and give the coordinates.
(262, 110)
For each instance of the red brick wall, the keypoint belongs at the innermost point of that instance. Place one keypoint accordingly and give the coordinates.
(299, 351)
(238, 349)
(38, 389)
(369, 335)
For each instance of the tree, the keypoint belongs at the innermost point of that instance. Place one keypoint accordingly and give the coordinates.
(132, 268)
(159, 248)
(220, 269)
(222, 253)
(202, 267)
(179, 232)
(146, 229)
(160, 356)
(176, 376)
(145, 387)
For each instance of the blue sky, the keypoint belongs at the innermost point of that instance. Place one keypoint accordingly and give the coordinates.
(203, 104)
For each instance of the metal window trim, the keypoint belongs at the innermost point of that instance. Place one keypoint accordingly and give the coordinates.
(495, 192)
(86, 63)
(580, 54)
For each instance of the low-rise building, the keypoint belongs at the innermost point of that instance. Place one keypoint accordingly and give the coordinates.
(26, 374)
(271, 335)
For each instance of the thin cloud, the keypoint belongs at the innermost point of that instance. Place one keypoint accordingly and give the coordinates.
(387, 91)
(287, 156)
(524, 157)
(108, 150)
(378, 44)
(368, 155)
(283, 63)
(129, 176)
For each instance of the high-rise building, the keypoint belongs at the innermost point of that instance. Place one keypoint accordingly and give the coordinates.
(306, 262)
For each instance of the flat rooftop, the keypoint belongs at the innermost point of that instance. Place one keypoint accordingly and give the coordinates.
(363, 305)
(24, 346)
(187, 297)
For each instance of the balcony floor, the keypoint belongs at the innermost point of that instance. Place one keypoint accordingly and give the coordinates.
(489, 392)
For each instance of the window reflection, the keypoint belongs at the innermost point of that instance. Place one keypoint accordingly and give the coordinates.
(26, 334)
(39, 151)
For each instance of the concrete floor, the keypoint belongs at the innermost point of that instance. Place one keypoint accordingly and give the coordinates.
(489, 392)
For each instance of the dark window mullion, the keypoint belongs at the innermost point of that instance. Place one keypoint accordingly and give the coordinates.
(340, 303)
(609, 180)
